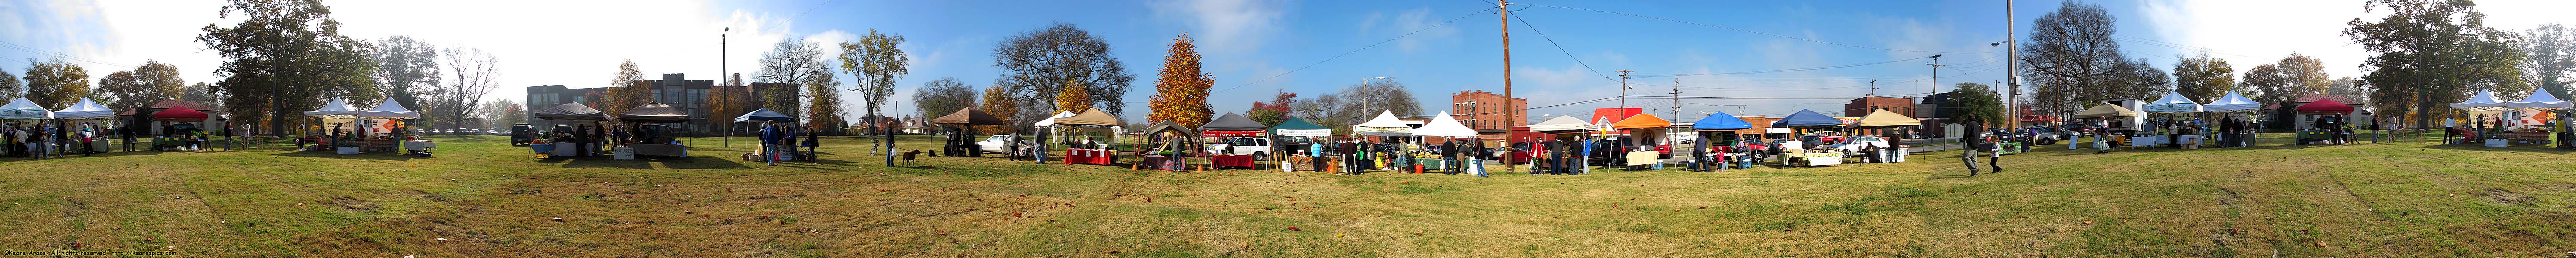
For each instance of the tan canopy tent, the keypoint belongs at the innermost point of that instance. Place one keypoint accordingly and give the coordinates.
(968, 116)
(1884, 118)
(1090, 117)
(2106, 111)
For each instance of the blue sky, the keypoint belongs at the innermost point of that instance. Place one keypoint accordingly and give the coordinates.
(578, 43)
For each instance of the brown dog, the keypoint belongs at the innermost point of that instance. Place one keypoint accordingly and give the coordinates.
(911, 157)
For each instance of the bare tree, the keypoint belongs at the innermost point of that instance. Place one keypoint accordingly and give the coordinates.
(2070, 54)
(405, 67)
(476, 73)
(792, 61)
(947, 94)
(1039, 65)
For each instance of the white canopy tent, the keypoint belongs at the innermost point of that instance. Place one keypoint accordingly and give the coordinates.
(390, 109)
(2485, 100)
(2173, 102)
(85, 110)
(2232, 103)
(24, 109)
(2540, 99)
(1050, 120)
(1444, 126)
(336, 109)
(1384, 125)
(1563, 124)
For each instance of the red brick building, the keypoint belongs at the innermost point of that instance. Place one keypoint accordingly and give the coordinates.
(1482, 110)
(1862, 106)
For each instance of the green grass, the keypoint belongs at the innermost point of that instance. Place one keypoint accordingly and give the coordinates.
(2408, 199)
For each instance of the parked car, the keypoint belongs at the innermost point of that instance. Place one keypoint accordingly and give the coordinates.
(1852, 148)
(1258, 147)
(999, 143)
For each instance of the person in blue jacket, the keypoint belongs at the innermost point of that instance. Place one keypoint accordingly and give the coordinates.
(769, 137)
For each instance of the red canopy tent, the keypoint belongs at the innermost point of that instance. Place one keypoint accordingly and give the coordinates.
(179, 114)
(2325, 107)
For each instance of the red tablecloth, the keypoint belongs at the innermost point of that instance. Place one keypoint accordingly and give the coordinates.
(1159, 162)
(1088, 156)
(1242, 161)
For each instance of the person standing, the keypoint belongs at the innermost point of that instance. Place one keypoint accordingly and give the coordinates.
(1971, 139)
(769, 143)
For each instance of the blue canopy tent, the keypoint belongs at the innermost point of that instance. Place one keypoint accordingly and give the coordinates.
(1721, 121)
(764, 115)
(759, 115)
(1807, 119)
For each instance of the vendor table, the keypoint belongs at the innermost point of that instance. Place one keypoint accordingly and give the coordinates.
(1241, 161)
(1641, 158)
(1813, 158)
(1432, 163)
(566, 149)
(1305, 163)
(660, 150)
(1160, 162)
(1089, 156)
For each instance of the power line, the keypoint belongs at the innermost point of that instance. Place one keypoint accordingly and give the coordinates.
(1561, 49)
(1382, 42)
(1784, 70)
(1751, 31)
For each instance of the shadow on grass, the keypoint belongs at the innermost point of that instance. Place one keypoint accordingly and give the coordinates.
(2475, 147)
(363, 155)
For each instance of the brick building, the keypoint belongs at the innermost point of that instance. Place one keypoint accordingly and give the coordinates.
(1482, 110)
(673, 89)
(1862, 106)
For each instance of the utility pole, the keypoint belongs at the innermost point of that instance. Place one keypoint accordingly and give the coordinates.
(1873, 87)
(2012, 79)
(1623, 90)
(725, 75)
(1504, 7)
(1677, 98)
(1936, 73)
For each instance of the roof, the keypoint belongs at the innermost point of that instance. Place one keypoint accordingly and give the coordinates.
(654, 112)
(1233, 122)
(1444, 126)
(1807, 118)
(968, 116)
(1562, 124)
(1721, 121)
(1090, 117)
(1642, 121)
(1882, 118)
(167, 104)
(1384, 125)
(571, 111)
(2303, 99)
(763, 115)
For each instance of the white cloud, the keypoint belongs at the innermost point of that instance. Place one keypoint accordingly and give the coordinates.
(573, 43)
(2250, 33)
(1232, 26)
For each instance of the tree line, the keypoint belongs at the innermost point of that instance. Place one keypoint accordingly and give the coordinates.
(2426, 54)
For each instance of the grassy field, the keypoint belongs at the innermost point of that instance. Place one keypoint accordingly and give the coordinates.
(485, 199)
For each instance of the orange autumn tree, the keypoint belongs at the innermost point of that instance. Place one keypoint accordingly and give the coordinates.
(1180, 96)
(998, 101)
(1076, 97)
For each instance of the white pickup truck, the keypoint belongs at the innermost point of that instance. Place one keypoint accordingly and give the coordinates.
(1259, 148)
(999, 143)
